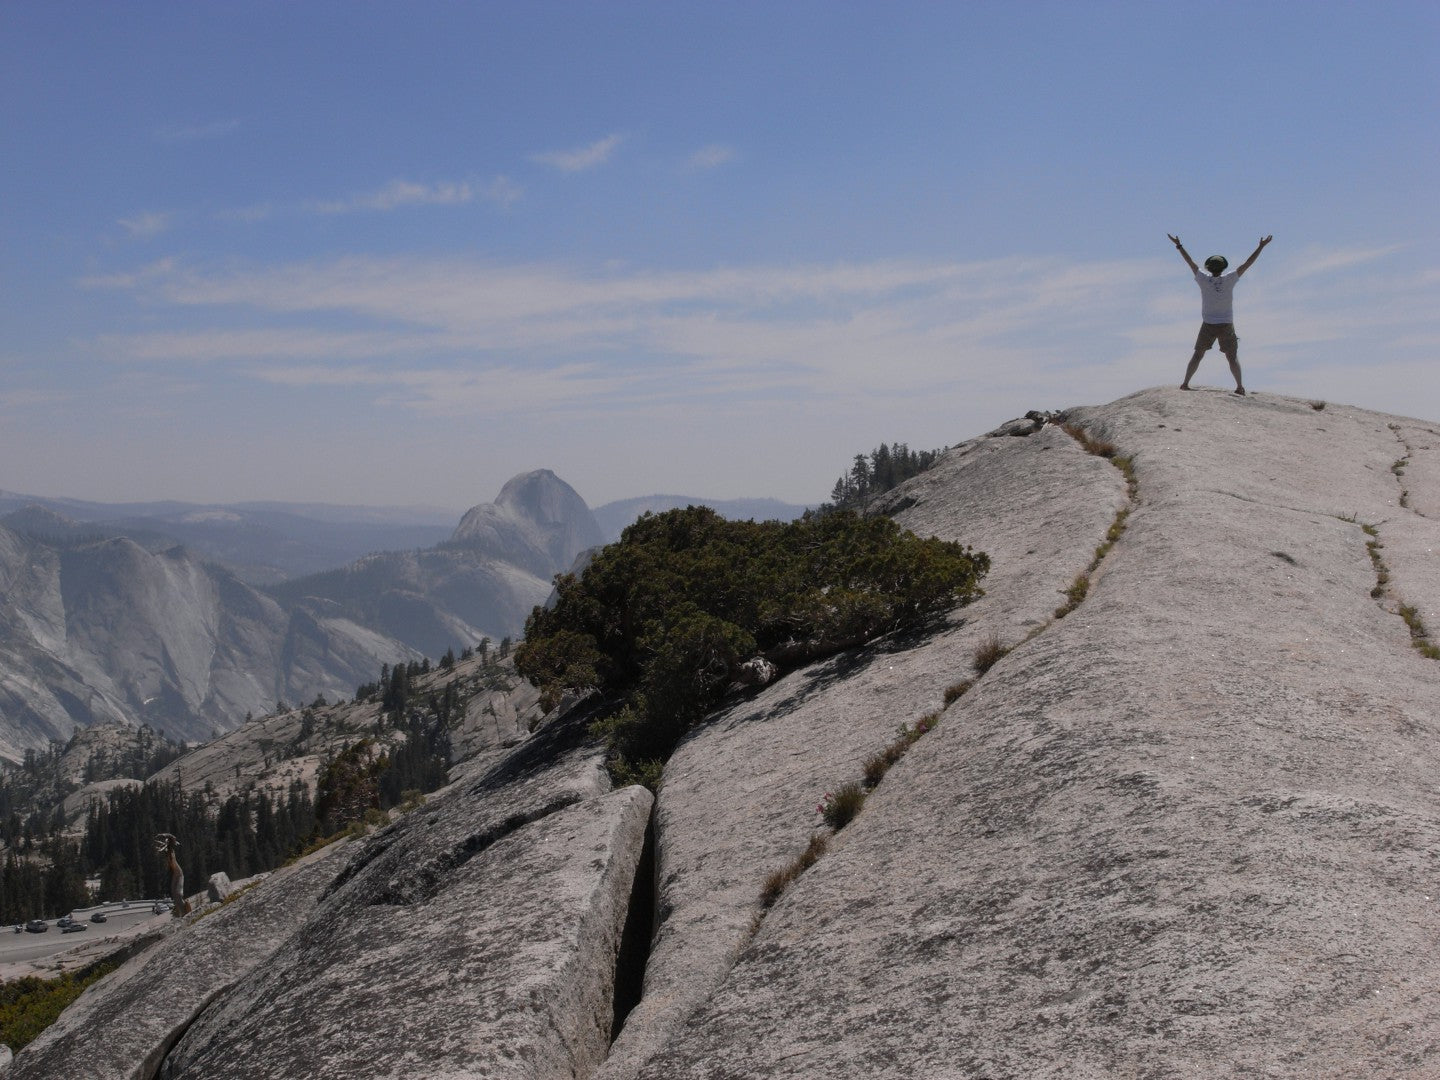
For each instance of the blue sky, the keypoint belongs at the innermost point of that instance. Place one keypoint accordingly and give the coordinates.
(397, 252)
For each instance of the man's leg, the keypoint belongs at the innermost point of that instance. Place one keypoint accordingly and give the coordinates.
(1203, 341)
(1231, 346)
(1190, 370)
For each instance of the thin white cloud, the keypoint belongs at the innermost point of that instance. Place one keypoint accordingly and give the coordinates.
(1314, 261)
(446, 336)
(195, 132)
(502, 191)
(400, 193)
(27, 400)
(711, 157)
(248, 214)
(581, 158)
(146, 225)
(463, 391)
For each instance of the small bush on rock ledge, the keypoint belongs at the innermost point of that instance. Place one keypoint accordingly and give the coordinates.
(664, 622)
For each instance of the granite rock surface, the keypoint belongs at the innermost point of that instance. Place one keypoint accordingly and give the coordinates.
(478, 937)
(1181, 821)
(122, 1027)
(1188, 830)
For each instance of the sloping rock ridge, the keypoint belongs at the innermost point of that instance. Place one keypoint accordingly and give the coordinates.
(1160, 804)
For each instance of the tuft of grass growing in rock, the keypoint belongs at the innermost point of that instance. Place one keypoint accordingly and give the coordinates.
(1317, 405)
(1074, 595)
(1382, 572)
(841, 805)
(1412, 620)
(1112, 534)
(1419, 635)
(1088, 442)
(989, 652)
(955, 691)
(776, 884)
(879, 764)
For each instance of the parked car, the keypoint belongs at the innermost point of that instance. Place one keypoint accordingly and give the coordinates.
(37, 926)
(99, 916)
(160, 906)
(64, 921)
(74, 927)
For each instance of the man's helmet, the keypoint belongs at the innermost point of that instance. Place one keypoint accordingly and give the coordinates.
(1216, 264)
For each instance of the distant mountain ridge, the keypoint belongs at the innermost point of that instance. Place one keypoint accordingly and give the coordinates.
(262, 543)
(97, 627)
(190, 617)
(538, 522)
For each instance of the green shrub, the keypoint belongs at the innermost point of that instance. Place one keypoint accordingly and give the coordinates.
(663, 622)
(29, 1005)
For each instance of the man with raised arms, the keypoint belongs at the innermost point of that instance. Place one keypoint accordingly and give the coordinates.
(1217, 309)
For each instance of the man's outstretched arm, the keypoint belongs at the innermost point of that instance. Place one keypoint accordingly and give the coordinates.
(1253, 255)
(1186, 255)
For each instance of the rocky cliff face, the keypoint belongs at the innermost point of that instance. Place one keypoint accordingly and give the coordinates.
(107, 630)
(1172, 814)
(538, 523)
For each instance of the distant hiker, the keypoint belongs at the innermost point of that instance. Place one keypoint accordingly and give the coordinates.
(1217, 311)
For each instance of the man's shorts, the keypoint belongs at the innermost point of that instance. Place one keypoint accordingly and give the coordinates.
(1212, 332)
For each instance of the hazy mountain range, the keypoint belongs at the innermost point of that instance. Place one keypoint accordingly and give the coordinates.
(189, 617)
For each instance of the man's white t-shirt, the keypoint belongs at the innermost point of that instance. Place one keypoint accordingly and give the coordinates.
(1216, 296)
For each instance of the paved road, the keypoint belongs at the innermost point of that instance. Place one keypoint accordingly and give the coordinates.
(19, 948)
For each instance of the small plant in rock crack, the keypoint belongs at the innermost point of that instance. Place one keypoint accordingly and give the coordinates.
(878, 765)
(776, 884)
(1074, 595)
(840, 806)
(955, 691)
(1412, 620)
(988, 653)
(923, 726)
(1317, 405)
(1088, 442)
